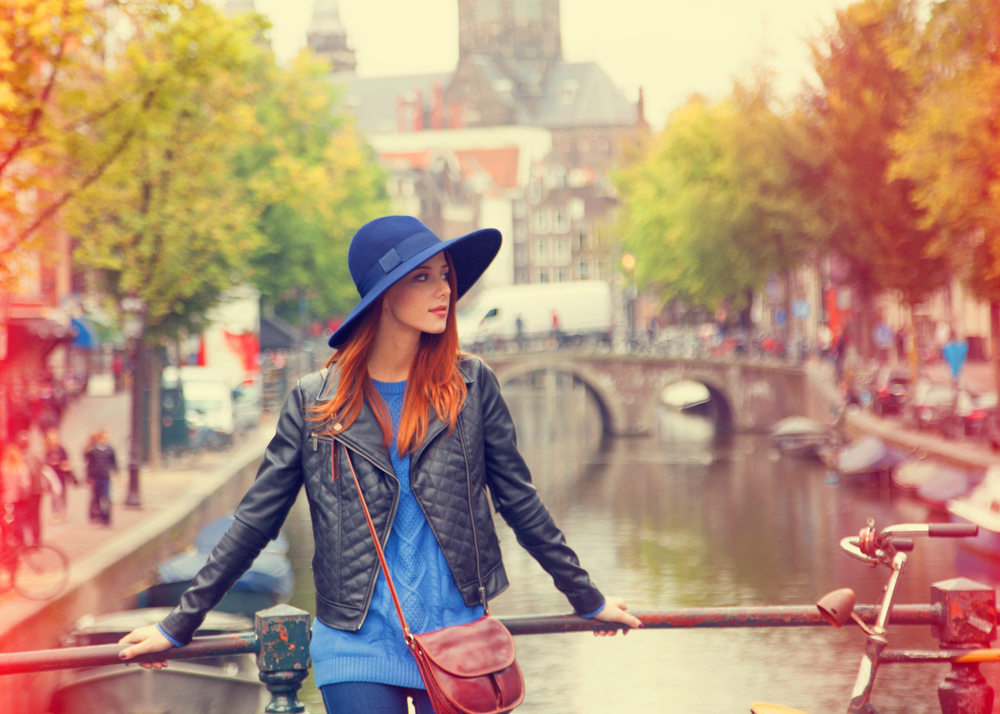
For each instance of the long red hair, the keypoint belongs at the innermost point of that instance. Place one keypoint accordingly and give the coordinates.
(434, 380)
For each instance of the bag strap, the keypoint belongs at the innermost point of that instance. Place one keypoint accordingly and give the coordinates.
(378, 546)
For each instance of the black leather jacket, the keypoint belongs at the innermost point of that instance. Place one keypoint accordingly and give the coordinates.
(450, 474)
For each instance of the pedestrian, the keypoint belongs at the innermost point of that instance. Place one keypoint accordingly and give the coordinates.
(117, 367)
(519, 333)
(431, 441)
(57, 459)
(16, 480)
(100, 460)
(28, 504)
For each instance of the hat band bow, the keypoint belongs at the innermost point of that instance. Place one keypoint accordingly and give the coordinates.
(394, 257)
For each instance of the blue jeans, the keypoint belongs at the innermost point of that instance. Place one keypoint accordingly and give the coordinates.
(370, 698)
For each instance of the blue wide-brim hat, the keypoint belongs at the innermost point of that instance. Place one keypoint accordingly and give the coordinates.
(386, 249)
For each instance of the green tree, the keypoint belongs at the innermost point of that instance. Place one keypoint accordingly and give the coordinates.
(41, 44)
(169, 223)
(950, 146)
(866, 95)
(316, 182)
(714, 204)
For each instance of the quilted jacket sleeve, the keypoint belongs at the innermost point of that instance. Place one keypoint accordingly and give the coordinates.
(517, 501)
(259, 518)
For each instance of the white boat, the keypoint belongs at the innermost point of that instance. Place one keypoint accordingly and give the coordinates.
(801, 436)
(211, 685)
(981, 507)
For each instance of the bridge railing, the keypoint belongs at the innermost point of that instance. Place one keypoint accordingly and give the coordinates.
(280, 641)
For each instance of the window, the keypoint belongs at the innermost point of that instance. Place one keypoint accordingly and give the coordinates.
(541, 220)
(583, 269)
(582, 243)
(561, 250)
(520, 209)
(561, 275)
(521, 255)
(559, 222)
(543, 275)
(542, 250)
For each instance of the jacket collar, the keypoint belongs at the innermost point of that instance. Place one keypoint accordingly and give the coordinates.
(365, 436)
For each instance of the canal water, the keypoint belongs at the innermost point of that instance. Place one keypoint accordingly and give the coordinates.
(693, 517)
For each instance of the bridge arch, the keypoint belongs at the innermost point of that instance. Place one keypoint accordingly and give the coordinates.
(717, 393)
(613, 417)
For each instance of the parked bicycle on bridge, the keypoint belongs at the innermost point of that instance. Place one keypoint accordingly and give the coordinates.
(964, 691)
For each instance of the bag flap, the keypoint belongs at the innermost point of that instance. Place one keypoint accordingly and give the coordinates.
(471, 650)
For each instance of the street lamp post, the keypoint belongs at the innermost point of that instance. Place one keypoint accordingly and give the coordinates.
(628, 263)
(134, 326)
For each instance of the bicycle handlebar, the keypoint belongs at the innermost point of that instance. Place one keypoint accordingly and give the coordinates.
(952, 530)
(869, 545)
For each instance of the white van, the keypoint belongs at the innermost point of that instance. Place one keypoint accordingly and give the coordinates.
(583, 309)
(246, 400)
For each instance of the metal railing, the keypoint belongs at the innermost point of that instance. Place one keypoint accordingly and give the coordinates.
(960, 616)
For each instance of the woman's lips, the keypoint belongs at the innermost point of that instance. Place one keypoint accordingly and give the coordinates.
(440, 311)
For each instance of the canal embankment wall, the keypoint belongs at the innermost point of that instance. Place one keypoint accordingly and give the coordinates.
(110, 577)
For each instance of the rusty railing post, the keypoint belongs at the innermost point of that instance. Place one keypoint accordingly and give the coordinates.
(968, 621)
(283, 655)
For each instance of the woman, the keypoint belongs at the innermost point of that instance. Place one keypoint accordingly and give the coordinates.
(427, 433)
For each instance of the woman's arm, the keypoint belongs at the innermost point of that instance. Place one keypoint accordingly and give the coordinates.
(517, 501)
(259, 518)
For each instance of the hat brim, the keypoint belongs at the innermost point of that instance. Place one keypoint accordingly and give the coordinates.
(471, 255)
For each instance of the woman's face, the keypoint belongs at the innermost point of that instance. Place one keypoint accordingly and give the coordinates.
(420, 300)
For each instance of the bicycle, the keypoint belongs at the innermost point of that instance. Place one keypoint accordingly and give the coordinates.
(37, 572)
(888, 548)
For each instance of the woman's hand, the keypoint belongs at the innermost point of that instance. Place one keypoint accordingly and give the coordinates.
(146, 640)
(614, 611)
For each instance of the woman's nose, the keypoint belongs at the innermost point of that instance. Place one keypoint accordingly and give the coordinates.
(444, 289)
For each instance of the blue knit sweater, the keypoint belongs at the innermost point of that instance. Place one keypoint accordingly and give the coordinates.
(426, 589)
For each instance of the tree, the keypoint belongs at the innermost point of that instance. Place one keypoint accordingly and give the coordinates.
(316, 182)
(37, 41)
(950, 145)
(866, 96)
(713, 205)
(169, 223)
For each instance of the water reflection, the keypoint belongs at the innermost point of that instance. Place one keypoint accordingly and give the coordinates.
(691, 517)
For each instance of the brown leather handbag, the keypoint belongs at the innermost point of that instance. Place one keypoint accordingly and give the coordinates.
(467, 669)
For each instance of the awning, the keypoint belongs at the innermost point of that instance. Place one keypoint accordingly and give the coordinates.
(276, 334)
(36, 334)
(84, 334)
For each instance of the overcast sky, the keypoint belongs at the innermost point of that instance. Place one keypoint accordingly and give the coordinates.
(671, 48)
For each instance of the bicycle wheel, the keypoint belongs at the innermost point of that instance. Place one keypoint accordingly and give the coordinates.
(41, 572)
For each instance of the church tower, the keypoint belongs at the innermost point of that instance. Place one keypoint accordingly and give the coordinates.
(237, 7)
(507, 50)
(328, 39)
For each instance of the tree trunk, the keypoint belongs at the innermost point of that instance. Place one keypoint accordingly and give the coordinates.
(155, 373)
(789, 289)
(994, 336)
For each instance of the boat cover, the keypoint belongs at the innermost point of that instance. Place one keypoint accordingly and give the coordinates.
(270, 572)
(868, 454)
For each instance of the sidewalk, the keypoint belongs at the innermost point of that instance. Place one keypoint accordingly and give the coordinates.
(91, 547)
(978, 376)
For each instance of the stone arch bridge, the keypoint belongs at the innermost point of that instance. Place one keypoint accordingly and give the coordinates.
(747, 396)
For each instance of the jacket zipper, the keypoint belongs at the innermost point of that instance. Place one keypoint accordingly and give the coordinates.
(472, 519)
(392, 518)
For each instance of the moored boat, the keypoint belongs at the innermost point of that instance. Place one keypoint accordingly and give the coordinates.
(801, 436)
(868, 455)
(211, 685)
(268, 582)
(981, 507)
(934, 483)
